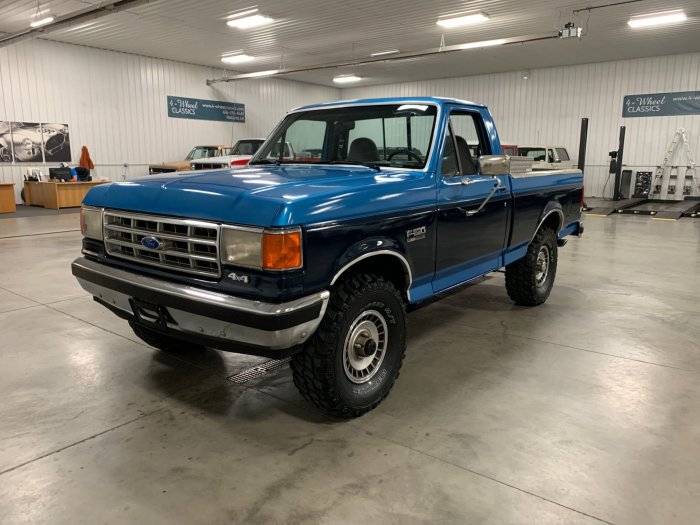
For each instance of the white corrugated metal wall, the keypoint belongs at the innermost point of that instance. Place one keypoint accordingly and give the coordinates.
(115, 103)
(549, 105)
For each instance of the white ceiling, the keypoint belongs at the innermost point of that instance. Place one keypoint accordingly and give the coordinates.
(312, 32)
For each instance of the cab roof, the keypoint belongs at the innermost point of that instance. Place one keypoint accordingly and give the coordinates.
(440, 101)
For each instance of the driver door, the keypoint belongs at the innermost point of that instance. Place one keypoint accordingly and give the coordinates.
(471, 229)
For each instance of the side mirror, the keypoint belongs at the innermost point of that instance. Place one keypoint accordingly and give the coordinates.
(494, 165)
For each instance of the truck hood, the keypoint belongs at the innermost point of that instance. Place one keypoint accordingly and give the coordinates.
(270, 195)
(177, 165)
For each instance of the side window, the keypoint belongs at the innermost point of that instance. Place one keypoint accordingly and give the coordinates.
(563, 154)
(468, 140)
(449, 157)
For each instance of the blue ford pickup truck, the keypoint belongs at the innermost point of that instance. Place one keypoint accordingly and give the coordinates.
(387, 203)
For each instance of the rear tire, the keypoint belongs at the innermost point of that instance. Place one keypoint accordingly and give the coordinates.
(162, 342)
(530, 280)
(351, 363)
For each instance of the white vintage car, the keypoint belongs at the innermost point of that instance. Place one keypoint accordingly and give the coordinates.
(547, 157)
(241, 152)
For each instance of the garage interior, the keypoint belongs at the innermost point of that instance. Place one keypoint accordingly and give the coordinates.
(585, 409)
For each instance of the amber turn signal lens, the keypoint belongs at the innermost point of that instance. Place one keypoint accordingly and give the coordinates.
(281, 251)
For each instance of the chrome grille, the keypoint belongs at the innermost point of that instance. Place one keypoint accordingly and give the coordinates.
(186, 246)
(209, 166)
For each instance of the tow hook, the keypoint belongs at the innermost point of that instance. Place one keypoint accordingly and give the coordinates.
(561, 242)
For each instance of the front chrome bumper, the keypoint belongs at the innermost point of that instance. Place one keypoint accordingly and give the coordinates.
(213, 318)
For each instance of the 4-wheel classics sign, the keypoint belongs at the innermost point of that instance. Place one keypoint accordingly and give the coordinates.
(662, 104)
(199, 109)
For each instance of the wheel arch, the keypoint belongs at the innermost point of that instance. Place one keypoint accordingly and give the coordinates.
(388, 263)
(552, 216)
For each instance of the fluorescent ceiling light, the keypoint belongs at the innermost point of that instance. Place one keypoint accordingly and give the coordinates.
(42, 22)
(658, 19)
(381, 53)
(484, 43)
(240, 14)
(346, 79)
(237, 59)
(248, 22)
(254, 74)
(460, 21)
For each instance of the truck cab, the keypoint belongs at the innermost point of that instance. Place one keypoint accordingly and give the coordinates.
(317, 256)
(547, 157)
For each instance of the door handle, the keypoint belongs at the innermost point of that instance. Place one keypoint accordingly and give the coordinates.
(496, 187)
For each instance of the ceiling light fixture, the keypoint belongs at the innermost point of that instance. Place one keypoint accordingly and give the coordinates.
(248, 19)
(346, 79)
(382, 53)
(239, 58)
(245, 12)
(483, 43)
(42, 21)
(255, 74)
(657, 19)
(39, 19)
(460, 21)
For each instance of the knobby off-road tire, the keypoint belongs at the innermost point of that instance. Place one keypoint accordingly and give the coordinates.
(350, 364)
(529, 280)
(167, 344)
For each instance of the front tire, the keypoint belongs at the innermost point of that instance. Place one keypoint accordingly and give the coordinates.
(352, 361)
(530, 280)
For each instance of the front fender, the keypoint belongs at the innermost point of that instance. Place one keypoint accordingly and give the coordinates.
(367, 248)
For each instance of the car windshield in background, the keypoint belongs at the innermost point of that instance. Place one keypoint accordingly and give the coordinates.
(202, 152)
(536, 154)
(398, 135)
(247, 147)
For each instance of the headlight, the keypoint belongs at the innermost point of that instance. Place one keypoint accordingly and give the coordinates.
(193, 166)
(262, 249)
(91, 222)
(241, 247)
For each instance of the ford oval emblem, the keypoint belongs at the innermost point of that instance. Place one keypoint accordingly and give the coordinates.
(151, 243)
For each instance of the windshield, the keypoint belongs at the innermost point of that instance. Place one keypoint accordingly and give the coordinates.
(387, 135)
(537, 154)
(202, 152)
(247, 147)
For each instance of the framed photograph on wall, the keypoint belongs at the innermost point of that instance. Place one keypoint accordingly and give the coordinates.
(56, 142)
(5, 142)
(27, 142)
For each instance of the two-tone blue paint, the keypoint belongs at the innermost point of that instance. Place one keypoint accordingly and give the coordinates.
(350, 212)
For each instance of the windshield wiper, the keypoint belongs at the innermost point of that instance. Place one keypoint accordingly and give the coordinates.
(374, 165)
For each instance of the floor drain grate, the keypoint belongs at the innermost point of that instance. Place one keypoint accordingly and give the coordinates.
(259, 370)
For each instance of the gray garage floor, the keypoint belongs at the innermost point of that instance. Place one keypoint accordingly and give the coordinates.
(584, 410)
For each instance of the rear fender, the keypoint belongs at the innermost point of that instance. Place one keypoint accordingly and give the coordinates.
(552, 215)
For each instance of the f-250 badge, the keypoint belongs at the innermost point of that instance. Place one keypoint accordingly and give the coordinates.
(240, 278)
(416, 234)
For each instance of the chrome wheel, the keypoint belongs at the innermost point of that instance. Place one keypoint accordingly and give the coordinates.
(5, 155)
(542, 268)
(365, 346)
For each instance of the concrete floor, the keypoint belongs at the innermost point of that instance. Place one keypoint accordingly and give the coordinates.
(583, 410)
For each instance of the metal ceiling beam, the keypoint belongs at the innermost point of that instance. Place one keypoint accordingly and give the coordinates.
(393, 58)
(65, 22)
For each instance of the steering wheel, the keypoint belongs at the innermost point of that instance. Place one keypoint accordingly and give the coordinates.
(408, 152)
